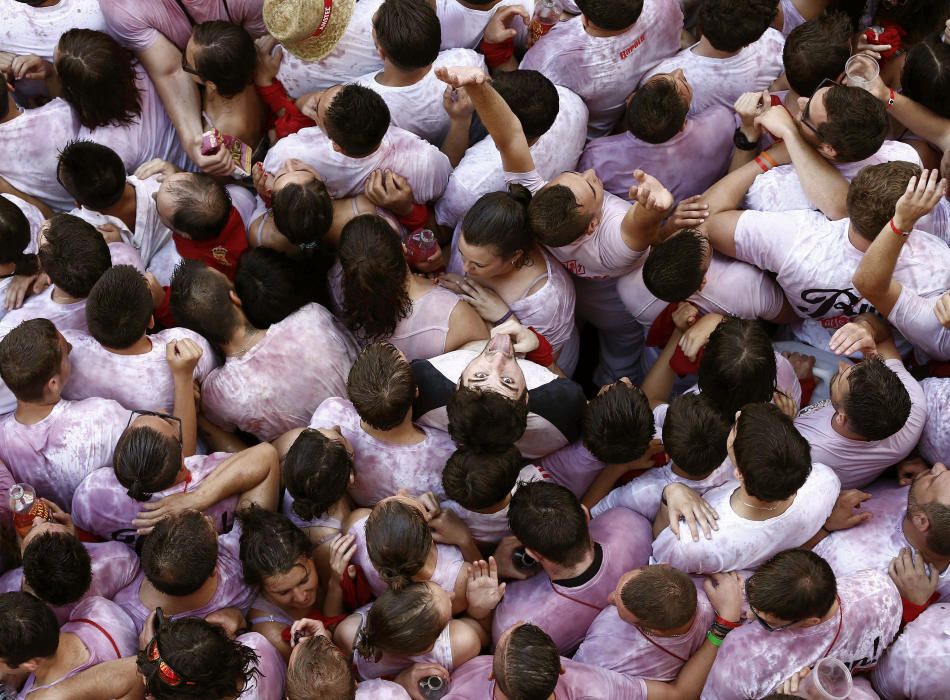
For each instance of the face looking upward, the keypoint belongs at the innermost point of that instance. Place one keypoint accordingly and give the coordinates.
(496, 369)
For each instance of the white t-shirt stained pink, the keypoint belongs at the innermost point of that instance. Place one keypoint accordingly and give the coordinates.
(917, 664)
(913, 316)
(464, 27)
(573, 466)
(934, 442)
(28, 29)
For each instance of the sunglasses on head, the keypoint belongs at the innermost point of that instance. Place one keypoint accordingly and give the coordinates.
(173, 421)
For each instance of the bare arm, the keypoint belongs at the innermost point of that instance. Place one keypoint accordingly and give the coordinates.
(640, 228)
(929, 126)
(659, 381)
(114, 679)
(458, 105)
(7, 188)
(182, 357)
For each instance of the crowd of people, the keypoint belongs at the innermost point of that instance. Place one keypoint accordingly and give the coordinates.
(477, 349)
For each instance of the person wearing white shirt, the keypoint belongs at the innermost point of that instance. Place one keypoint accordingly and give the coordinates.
(464, 21)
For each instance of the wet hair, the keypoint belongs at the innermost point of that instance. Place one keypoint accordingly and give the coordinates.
(477, 480)
(817, 50)
(793, 585)
(405, 622)
(529, 666)
(877, 403)
(656, 111)
(926, 75)
(224, 55)
(694, 435)
(316, 472)
(617, 425)
(661, 597)
(57, 567)
(611, 15)
(729, 25)
(180, 554)
(938, 514)
(548, 518)
(15, 233)
(381, 386)
(75, 255)
(201, 301)
(857, 123)
(675, 268)
(772, 456)
(532, 97)
(92, 174)
(266, 281)
(873, 195)
(320, 671)
(146, 461)
(271, 545)
(119, 307)
(375, 276)
(28, 629)
(409, 32)
(485, 420)
(98, 78)
(202, 205)
(398, 541)
(499, 220)
(738, 366)
(356, 120)
(556, 218)
(303, 212)
(216, 666)
(30, 355)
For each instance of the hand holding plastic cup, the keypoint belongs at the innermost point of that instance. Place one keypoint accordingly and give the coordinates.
(860, 71)
(829, 680)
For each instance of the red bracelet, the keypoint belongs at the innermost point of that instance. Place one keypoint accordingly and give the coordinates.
(762, 165)
(890, 100)
(896, 230)
(726, 623)
(764, 155)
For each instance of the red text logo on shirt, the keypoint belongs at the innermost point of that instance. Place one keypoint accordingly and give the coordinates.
(630, 49)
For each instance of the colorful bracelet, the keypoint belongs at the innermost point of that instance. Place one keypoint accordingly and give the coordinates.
(761, 164)
(890, 100)
(726, 623)
(713, 639)
(769, 159)
(902, 234)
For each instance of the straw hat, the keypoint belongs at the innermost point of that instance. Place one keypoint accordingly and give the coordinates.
(309, 29)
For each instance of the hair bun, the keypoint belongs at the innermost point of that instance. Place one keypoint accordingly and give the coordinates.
(520, 194)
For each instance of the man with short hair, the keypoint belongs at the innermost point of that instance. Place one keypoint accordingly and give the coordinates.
(804, 614)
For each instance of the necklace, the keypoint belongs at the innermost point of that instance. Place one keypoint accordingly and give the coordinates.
(749, 505)
(247, 344)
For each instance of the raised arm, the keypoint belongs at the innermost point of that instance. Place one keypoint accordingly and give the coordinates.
(182, 357)
(874, 276)
(501, 123)
(659, 381)
(924, 123)
(652, 202)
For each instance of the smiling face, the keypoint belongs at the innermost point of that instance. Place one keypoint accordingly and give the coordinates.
(295, 588)
(496, 369)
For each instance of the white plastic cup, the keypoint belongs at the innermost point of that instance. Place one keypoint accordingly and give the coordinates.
(829, 680)
(861, 70)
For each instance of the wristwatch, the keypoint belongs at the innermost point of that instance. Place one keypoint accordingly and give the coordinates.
(740, 141)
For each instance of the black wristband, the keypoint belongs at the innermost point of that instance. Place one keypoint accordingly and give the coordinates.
(740, 141)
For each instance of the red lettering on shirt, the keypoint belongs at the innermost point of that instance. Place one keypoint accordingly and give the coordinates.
(630, 49)
(834, 323)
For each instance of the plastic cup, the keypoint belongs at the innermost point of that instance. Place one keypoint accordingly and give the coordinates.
(829, 680)
(861, 70)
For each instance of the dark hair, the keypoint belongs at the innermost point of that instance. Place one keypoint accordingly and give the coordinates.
(28, 629)
(98, 78)
(817, 50)
(617, 425)
(938, 514)
(146, 461)
(917, 19)
(303, 212)
(30, 355)
(926, 75)
(381, 386)
(877, 403)
(224, 55)
(266, 281)
(729, 25)
(477, 480)
(356, 120)
(499, 220)
(738, 366)
(119, 307)
(548, 518)
(857, 123)
(215, 665)
(532, 97)
(793, 585)
(15, 232)
(271, 545)
(75, 255)
(656, 111)
(57, 567)
(772, 456)
(530, 665)
(873, 195)
(180, 554)
(611, 15)
(316, 472)
(202, 205)
(404, 621)
(93, 174)
(201, 301)
(398, 541)
(661, 597)
(556, 218)
(320, 670)
(485, 420)
(375, 276)
(409, 32)
(695, 434)
(675, 268)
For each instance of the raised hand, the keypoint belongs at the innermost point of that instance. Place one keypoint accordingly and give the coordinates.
(182, 356)
(650, 193)
(484, 591)
(462, 75)
(500, 27)
(851, 338)
(920, 197)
